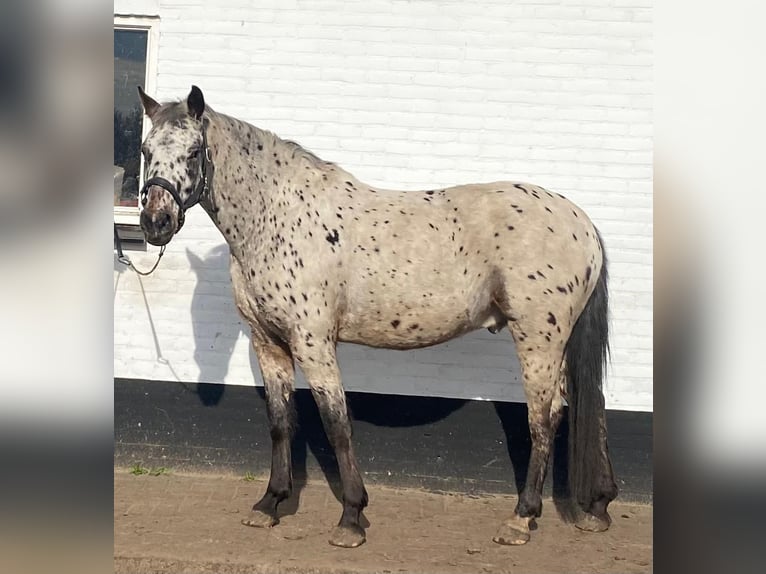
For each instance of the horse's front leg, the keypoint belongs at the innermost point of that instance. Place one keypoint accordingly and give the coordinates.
(278, 372)
(320, 367)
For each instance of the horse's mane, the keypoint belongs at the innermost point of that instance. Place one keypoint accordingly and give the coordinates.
(298, 150)
(177, 110)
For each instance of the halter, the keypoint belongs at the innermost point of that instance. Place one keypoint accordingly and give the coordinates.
(201, 190)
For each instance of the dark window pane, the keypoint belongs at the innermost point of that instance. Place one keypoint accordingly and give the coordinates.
(129, 72)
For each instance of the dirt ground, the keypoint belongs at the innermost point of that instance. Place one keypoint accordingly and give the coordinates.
(191, 523)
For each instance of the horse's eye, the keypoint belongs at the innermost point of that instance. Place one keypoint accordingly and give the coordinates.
(193, 152)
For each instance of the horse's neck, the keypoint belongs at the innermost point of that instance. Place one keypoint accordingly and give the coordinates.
(251, 182)
(239, 194)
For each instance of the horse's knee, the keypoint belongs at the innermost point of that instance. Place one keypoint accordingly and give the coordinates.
(281, 415)
(331, 403)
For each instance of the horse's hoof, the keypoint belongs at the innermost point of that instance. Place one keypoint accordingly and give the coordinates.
(259, 519)
(592, 523)
(347, 536)
(512, 534)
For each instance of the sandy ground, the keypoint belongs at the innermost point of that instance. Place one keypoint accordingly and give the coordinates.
(191, 523)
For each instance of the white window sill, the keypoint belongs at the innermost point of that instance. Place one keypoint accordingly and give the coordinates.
(122, 218)
(125, 215)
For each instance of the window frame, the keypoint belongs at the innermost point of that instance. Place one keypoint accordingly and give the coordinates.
(128, 215)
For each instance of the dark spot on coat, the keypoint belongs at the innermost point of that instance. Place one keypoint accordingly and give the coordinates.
(333, 237)
(395, 323)
(551, 318)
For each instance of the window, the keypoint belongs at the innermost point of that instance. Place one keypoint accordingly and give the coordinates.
(135, 49)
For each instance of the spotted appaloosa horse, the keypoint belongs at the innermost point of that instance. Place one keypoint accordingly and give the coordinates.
(319, 257)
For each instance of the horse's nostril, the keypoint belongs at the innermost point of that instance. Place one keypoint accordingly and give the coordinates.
(161, 220)
(145, 220)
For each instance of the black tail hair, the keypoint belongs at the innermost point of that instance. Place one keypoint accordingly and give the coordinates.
(586, 356)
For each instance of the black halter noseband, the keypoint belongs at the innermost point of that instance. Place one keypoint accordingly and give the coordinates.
(201, 190)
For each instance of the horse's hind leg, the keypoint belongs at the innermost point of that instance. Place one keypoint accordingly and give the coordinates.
(541, 370)
(278, 372)
(320, 367)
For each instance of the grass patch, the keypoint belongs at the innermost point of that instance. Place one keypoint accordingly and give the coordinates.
(139, 469)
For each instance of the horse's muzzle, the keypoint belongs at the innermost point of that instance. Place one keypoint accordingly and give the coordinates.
(158, 226)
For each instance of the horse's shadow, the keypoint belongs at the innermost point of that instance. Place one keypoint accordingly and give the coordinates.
(378, 410)
(212, 353)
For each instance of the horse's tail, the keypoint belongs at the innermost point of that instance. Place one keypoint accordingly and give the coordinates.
(586, 356)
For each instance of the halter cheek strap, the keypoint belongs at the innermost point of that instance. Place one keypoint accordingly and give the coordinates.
(201, 190)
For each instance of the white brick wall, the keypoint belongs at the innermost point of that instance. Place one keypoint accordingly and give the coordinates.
(413, 94)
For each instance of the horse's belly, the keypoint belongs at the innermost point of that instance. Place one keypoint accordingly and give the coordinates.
(414, 324)
(407, 337)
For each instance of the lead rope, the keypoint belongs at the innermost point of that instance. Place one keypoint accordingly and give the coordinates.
(125, 260)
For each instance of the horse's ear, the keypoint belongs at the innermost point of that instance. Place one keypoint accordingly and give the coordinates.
(195, 261)
(150, 105)
(196, 102)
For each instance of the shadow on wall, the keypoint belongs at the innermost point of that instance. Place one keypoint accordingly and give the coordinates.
(217, 326)
(214, 340)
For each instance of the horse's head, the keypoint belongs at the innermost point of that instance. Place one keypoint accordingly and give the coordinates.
(176, 156)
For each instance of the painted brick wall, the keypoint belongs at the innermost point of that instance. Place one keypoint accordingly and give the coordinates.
(411, 94)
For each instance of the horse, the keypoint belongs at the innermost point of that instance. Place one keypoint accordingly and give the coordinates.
(318, 257)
